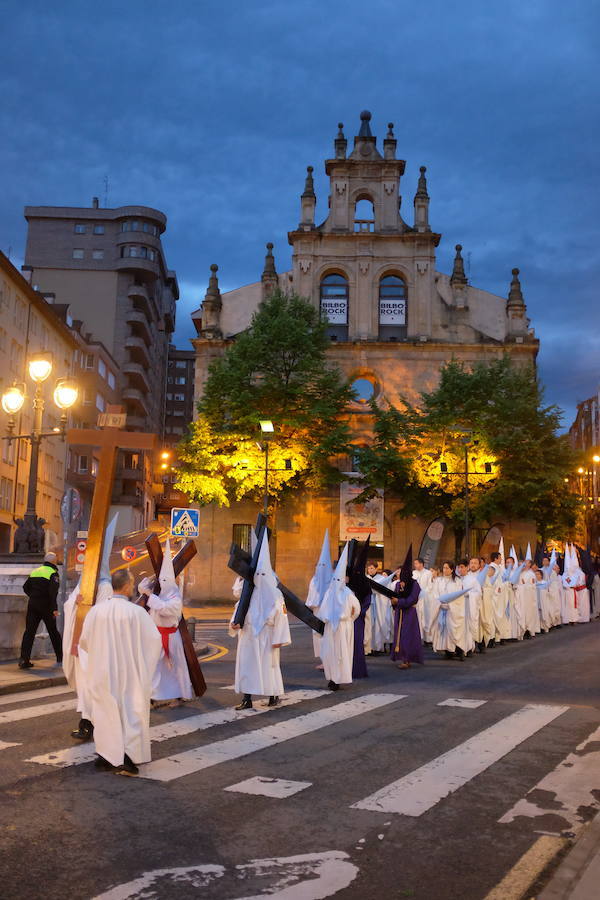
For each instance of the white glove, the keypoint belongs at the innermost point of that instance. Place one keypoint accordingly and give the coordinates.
(145, 586)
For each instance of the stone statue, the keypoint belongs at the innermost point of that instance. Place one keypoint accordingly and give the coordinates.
(21, 539)
(29, 535)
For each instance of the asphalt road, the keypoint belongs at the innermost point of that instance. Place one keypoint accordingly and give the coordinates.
(392, 793)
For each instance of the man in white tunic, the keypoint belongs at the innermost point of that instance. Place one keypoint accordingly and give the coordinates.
(123, 648)
(381, 612)
(171, 678)
(473, 580)
(338, 610)
(527, 599)
(423, 577)
(265, 630)
(318, 585)
(74, 665)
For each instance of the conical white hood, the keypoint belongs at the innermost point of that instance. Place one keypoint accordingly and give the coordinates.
(265, 594)
(513, 553)
(334, 601)
(109, 536)
(528, 554)
(501, 552)
(166, 577)
(323, 574)
(552, 562)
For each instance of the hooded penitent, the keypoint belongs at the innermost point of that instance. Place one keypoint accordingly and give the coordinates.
(513, 553)
(166, 579)
(406, 575)
(323, 575)
(528, 554)
(266, 593)
(104, 590)
(334, 601)
(501, 552)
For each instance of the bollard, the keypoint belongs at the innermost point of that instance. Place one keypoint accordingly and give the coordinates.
(191, 627)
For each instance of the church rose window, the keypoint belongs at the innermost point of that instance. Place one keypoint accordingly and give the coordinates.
(392, 308)
(364, 390)
(334, 305)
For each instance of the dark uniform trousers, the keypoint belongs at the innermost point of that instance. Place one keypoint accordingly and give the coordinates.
(35, 615)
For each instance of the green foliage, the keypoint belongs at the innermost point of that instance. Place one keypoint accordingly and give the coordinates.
(497, 410)
(275, 370)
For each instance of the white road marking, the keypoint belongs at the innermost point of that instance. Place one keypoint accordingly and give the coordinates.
(4, 745)
(425, 787)
(31, 712)
(269, 787)
(200, 758)
(82, 753)
(228, 687)
(568, 790)
(464, 704)
(35, 695)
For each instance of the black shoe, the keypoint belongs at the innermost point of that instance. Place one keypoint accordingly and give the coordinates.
(448, 654)
(103, 764)
(246, 703)
(25, 664)
(128, 767)
(333, 686)
(273, 701)
(84, 731)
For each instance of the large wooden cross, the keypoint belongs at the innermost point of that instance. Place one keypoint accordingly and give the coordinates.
(180, 561)
(244, 565)
(110, 440)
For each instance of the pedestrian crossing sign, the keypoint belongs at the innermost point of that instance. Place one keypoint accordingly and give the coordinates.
(185, 523)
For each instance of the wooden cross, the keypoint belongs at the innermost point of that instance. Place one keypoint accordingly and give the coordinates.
(244, 565)
(110, 440)
(180, 561)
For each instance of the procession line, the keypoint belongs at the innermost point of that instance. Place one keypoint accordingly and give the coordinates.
(74, 756)
(31, 712)
(191, 761)
(566, 793)
(423, 788)
(35, 695)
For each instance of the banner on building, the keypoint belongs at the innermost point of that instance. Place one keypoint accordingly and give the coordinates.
(335, 310)
(430, 544)
(359, 520)
(491, 541)
(392, 311)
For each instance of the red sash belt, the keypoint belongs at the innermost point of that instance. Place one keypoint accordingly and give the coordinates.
(164, 633)
(580, 587)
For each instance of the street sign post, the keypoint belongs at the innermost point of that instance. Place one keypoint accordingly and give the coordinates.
(185, 523)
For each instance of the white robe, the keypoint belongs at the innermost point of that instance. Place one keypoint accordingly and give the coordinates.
(313, 601)
(473, 605)
(544, 605)
(502, 598)
(555, 597)
(337, 645)
(527, 598)
(486, 609)
(457, 632)
(257, 663)
(171, 678)
(75, 667)
(569, 612)
(123, 648)
(423, 579)
(382, 615)
(580, 599)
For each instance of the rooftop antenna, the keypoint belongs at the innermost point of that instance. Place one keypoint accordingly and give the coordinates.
(106, 191)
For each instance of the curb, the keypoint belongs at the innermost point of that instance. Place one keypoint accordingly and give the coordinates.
(571, 877)
(35, 684)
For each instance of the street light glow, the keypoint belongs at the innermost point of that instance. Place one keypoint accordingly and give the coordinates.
(65, 393)
(580, 470)
(596, 458)
(40, 367)
(165, 454)
(266, 426)
(13, 399)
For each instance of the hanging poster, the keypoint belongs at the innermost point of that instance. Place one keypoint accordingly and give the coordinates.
(392, 311)
(357, 520)
(335, 310)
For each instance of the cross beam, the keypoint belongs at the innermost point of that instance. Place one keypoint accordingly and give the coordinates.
(110, 441)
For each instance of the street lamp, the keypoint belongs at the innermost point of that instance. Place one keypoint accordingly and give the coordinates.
(466, 440)
(65, 395)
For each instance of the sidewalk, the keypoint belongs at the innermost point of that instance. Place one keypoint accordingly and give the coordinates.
(578, 875)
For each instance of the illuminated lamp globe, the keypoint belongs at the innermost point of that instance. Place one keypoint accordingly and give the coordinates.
(13, 399)
(596, 458)
(65, 393)
(40, 367)
(581, 470)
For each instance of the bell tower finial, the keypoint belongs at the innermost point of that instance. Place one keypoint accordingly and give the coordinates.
(389, 143)
(458, 271)
(211, 308)
(308, 202)
(269, 278)
(421, 203)
(515, 308)
(341, 144)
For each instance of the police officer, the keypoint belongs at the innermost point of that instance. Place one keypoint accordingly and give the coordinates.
(42, 589)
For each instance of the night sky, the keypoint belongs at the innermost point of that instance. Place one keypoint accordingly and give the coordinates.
(211, 112)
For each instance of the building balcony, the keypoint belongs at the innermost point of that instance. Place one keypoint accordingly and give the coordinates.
(135, 474)
(137, 401)
(137, 423)
(138, 264)
(127, 499)
(140, 298)
(137, 376)
(140, 326)
(138, 351)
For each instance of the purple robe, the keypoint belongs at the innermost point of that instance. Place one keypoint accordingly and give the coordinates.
(408, 645)
(359, 663)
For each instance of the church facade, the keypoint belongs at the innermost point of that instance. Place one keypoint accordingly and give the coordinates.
(393, 321)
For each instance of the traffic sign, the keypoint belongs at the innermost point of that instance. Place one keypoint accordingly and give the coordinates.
(185, 523)
(80, 548)
(129, 553)
(70, 506)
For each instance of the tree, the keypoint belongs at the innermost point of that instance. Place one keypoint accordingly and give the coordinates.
(275, 370)
(497, 411)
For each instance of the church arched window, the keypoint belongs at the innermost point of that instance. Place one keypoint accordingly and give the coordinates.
(364, 215)
(334, 305)
(392, 308)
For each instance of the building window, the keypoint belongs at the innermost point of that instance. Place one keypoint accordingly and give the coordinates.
(111, 380)
(180, 364)
(97, 254)
(180, 397)
(365, 389)
(180, 380)
(364, 215)
(135, 226)
(392, 308)
(78, 254)
(240, 535)
(334, 305)
(87, 397)
(8, 452)
(80, 229)
(100, 402)
(23, 449)
(98, 229)
(94, 467)
(6, 489)
(101, 368)
(90, 361)
(82, 464)
(20, 494)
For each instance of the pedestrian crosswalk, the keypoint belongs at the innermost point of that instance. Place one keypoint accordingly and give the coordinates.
(488, 731)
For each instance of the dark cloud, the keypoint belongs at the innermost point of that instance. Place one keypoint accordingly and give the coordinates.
(211, 112)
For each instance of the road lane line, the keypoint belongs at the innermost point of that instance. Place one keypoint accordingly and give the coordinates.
(200, 758)
(4, 745)
(423, 788)
(82, 753)
(31, 712)
(463, 704)
(567, 792)
(34, 695)
(278, 788)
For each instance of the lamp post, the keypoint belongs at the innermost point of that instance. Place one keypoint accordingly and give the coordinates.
(65, 395)
(266, 426)
(466, 440)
